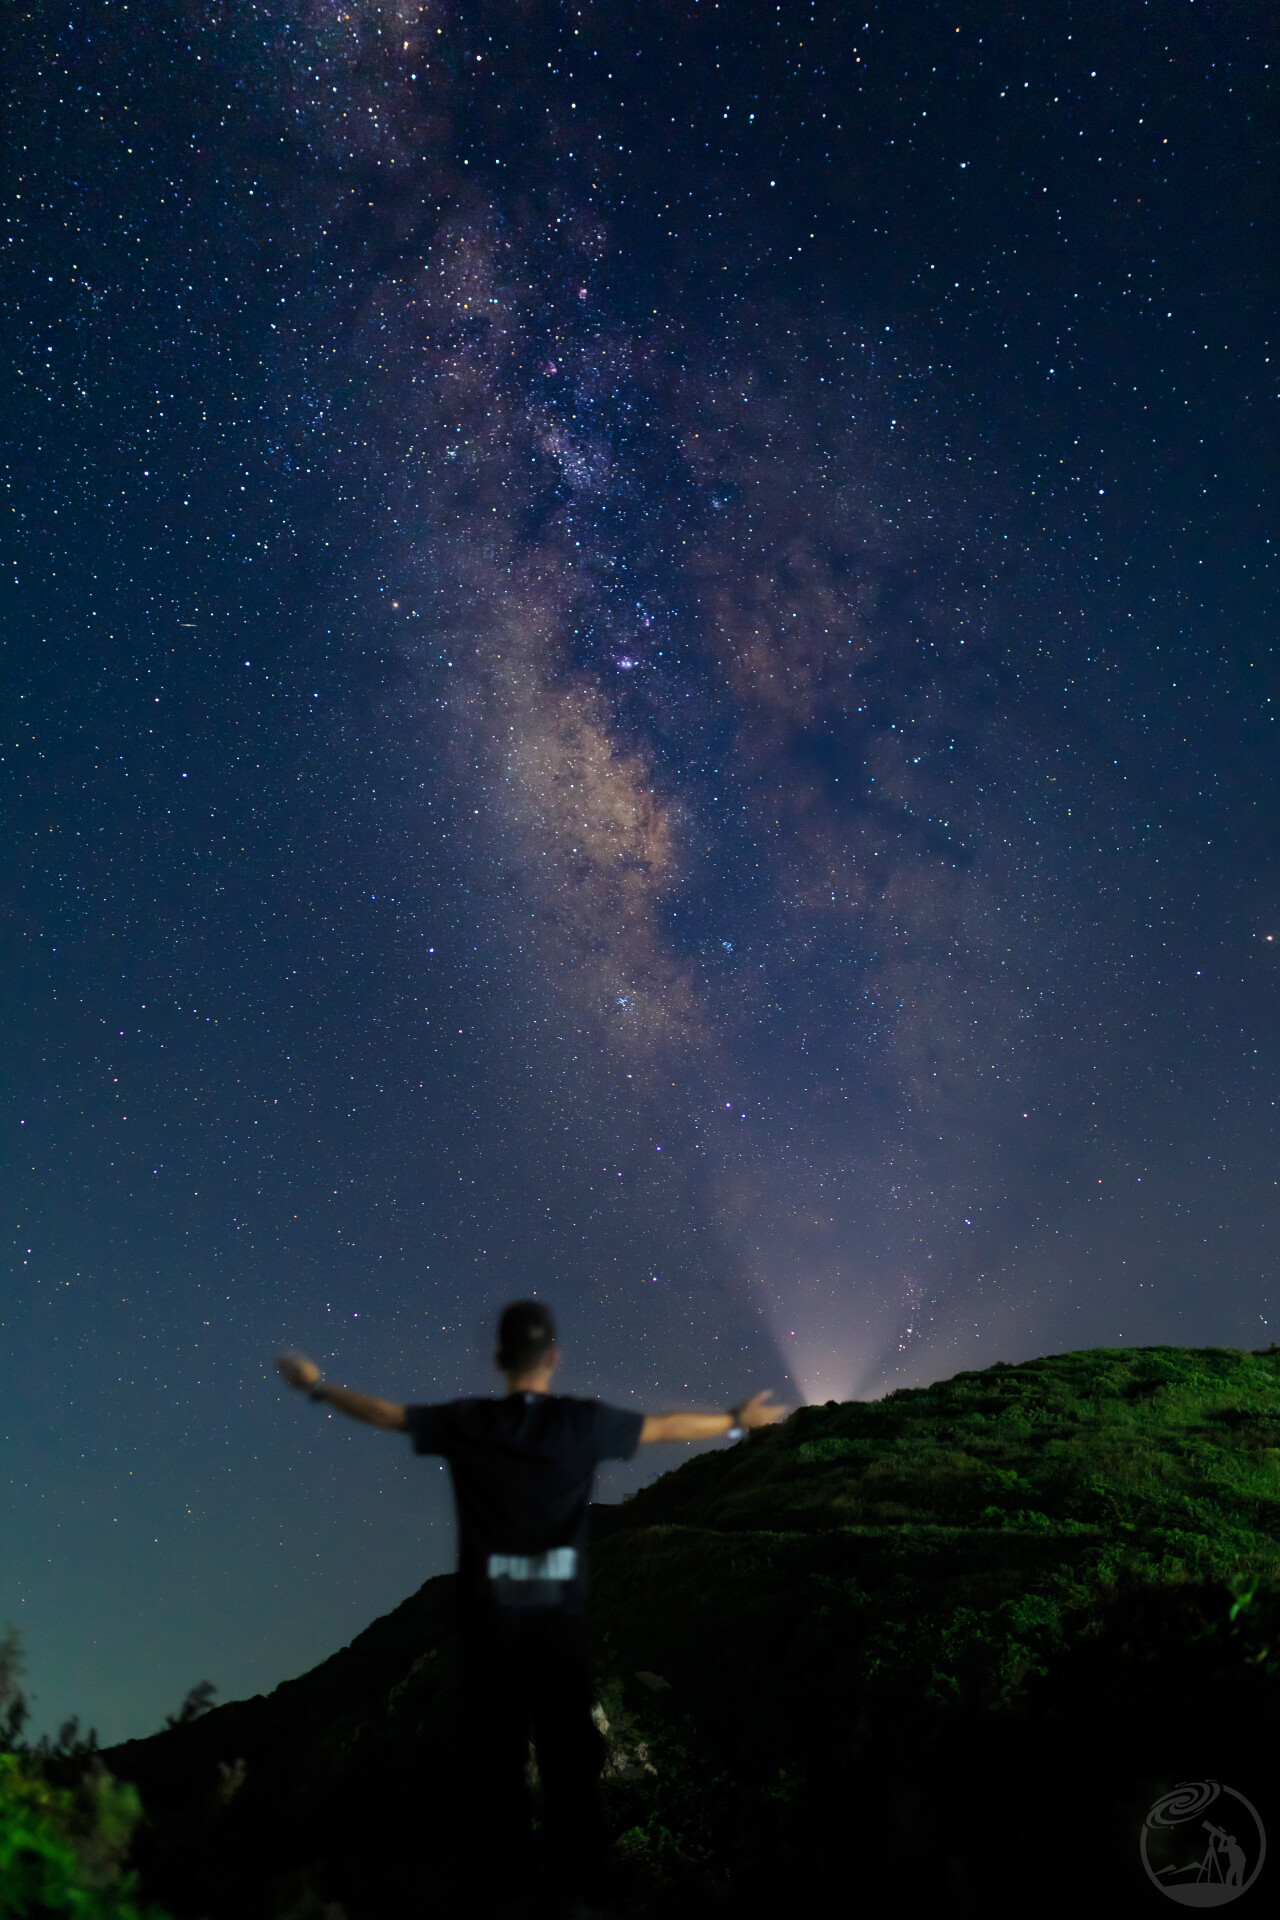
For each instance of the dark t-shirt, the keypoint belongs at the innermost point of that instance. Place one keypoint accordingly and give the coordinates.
(523, 1470)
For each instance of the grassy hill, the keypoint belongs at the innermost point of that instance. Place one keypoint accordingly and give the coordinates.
(939, 1651)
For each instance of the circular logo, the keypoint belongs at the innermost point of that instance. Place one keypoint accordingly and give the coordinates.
(1203, 1844)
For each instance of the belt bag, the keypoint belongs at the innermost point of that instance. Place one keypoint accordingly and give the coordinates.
(532, 1580)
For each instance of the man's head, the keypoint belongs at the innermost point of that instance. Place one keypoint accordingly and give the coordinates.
(527, 1344)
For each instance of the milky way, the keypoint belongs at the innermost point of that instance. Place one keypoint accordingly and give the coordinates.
(716, 629)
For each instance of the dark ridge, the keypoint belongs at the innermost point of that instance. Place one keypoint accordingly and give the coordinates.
(941, 1650)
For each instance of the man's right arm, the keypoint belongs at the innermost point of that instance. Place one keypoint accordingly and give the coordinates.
(756, 1412)
(304, 1374)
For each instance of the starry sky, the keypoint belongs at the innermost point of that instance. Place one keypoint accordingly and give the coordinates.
(638, 664)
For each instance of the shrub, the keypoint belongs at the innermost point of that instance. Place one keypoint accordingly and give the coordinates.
(62, 1847)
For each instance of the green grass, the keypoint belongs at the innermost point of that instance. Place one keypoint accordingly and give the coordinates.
(1158, 1440)
(1077, 1555)
(946, 1540)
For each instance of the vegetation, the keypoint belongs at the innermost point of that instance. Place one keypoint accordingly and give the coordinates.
(941, 1651)
(65, 1822)
(62, 1850)
(951, 1606)
(945, 1544)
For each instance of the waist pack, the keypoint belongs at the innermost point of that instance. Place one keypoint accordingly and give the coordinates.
(532, 1580)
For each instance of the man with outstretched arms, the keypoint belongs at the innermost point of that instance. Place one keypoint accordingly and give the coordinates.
(523, 1470)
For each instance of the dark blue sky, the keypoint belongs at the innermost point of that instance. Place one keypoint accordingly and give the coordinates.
(638, 662)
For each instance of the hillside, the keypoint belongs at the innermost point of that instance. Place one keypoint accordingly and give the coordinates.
(944, 1648)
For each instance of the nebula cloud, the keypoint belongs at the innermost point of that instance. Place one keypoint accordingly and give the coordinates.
(713, 629)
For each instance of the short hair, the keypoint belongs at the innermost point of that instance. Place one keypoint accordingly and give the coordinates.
(526, 1333)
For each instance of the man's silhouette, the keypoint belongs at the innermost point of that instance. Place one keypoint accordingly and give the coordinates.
(1223, 1843)
(523, 1469)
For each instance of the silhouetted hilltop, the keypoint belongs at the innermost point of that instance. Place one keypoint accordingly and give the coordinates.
(934, 1648)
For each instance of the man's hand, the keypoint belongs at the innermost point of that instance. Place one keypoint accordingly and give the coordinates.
(759, 1411)
(297, 1369)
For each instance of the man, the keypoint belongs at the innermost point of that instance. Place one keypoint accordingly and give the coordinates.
(523, 1469)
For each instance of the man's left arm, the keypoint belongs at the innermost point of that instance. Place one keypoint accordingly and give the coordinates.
(305, 1376)
(758, 1411)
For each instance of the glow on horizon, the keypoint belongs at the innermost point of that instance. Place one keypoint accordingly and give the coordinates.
(848, 1340)
(826, 1368)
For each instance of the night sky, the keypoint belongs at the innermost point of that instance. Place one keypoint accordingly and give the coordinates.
(638, 664)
